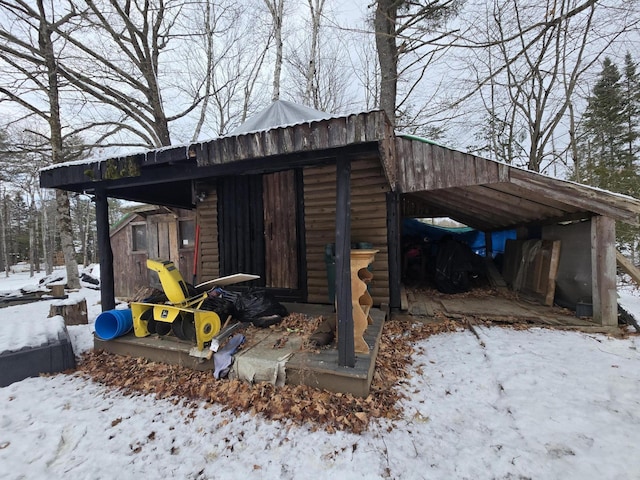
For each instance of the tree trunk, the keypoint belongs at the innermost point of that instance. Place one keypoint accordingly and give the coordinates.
(311, 90)
(47, 252)
(385, 27)
(32, 241)
(573, 142)
(85, 236)
(62, 199)
(3, 233)
(66, 239)
(276, 7)
(35, 241)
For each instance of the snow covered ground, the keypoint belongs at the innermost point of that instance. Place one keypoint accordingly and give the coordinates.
(538, 404)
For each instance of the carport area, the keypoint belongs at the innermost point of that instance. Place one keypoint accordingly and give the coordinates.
(561, 260)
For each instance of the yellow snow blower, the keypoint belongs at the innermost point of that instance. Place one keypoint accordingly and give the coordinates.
(181, 314)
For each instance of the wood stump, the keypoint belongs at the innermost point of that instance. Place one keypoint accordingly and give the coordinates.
(57, 290)
(73, 313)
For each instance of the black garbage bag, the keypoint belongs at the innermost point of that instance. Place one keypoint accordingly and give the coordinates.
(219, 304)
(259, 308)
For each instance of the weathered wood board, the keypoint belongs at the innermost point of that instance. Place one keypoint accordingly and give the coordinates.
(531, 268)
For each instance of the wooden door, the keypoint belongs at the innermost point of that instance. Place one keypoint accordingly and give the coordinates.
(280, 232)
(259, 231)
(163, 238)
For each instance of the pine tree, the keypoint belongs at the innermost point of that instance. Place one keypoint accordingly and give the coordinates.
(605, 129)
(611, 134)
(631, 89)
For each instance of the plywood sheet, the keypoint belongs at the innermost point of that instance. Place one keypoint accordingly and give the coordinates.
(531, 268)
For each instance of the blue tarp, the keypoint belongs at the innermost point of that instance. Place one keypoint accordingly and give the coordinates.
(474, 238)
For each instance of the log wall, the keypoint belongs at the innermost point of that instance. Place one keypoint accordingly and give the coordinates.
(208, 254)
(368, 223)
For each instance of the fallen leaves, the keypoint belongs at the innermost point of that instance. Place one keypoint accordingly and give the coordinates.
(298, 404)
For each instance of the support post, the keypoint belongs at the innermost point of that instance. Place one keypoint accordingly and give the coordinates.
(394, 248)
(603, 271)
(107, 290)
(344, 310)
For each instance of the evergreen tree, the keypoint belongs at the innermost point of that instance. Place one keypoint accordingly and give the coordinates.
(611, 135)
(605, 129)
(631, 89)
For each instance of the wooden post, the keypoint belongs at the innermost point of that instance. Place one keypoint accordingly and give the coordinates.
(344, 311)
(394, 248)
(107, 284)
(603, 271)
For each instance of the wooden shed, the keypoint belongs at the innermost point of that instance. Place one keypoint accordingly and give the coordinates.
(151, 232)
(269, 202)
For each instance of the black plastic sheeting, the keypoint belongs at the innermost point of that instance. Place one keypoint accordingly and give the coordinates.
(53, 357)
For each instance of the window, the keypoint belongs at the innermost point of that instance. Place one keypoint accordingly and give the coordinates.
(187, 233)
(139, 237)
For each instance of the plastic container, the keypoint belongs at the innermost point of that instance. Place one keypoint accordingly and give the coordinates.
(584, 309)
(114, 323)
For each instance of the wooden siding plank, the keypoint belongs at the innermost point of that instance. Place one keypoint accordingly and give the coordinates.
(337, 134)
(301, 136)
(424, 166)
(450, 171)
(401, 145)
(281, 248)
(524, 205)
(597, 201)
(207, 219)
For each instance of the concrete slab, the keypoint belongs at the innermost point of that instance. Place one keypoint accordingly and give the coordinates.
(321, 370)
(265, 358)
(162, 349)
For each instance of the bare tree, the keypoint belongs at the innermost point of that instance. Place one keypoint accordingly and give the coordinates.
(276, 9)
(535, 71)
(118, 49)
(36, 90)
(3, 231)
(368, 74)
(318, 74)
(3, 216)
(315, 15)
(407, 41)
(46, 49)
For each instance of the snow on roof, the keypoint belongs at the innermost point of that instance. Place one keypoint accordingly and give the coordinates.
(92, 159)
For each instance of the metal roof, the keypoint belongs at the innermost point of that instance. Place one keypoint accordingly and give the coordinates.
(435, 180)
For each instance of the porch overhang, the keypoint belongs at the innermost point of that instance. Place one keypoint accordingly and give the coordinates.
(489, 195)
